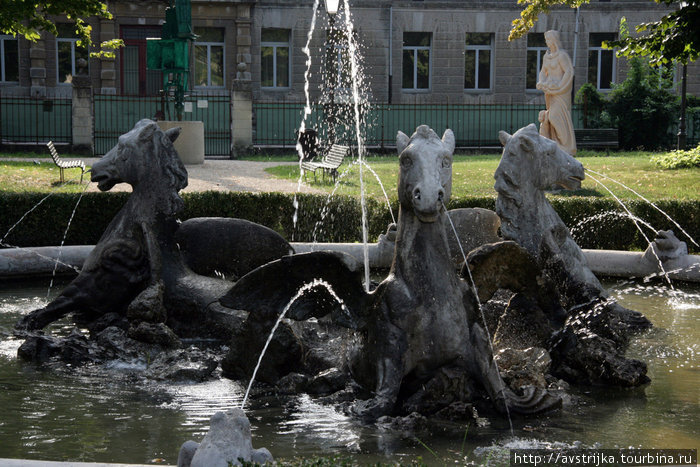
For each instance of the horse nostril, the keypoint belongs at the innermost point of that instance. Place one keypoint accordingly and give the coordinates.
(441, 195)
(416, 193)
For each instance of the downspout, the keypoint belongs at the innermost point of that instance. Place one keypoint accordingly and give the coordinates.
(391, 46)
(573, 87)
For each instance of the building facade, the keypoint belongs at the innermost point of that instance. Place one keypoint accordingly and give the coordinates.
(418, 51)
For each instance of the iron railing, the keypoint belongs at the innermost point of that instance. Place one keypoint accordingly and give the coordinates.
(115, 115)
(31, 120)
(474, 125)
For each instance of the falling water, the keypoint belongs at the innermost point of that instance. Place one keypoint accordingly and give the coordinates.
(597, 218)
(305, 288)
(307, 107)
(483, 318)
(352, 49)
(381, 185)
(646, 200)
(661, 266)
(63, 240)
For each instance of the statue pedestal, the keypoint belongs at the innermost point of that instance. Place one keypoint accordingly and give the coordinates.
(190, 144)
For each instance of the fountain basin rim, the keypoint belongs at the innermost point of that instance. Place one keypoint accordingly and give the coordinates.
(37, 262)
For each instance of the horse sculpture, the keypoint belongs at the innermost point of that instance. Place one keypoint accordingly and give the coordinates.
(531, 164)
(421, 325)
(126, 262)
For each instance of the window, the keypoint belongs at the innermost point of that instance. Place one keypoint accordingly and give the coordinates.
(209, 57)
(601, 62)
(536, 48)
(416, 60)
(275, 58)
(477, 61)
(9, 59)
(67, 53)
(338, 69)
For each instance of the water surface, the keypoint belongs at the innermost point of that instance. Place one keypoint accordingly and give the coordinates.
(114, 415)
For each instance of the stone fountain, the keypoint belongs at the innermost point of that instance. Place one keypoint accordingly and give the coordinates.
(418, 343)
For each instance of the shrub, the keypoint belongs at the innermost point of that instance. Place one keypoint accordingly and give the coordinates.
(642, 108)
(324, 220)
(678, 159)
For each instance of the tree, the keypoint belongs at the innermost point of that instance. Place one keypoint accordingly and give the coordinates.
(675, 37)
(28, 18)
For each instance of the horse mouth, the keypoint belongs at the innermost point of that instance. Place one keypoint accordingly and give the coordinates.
(104, 181)
(573, 182)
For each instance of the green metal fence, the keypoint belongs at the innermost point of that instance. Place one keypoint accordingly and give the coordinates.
(473, 125)
(27, 120)
(115, 115)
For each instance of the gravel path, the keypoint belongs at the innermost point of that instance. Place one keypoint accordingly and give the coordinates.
(223, 175)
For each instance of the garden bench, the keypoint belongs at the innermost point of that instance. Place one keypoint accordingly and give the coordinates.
(330, 162)
(65, 164)
(596, 138)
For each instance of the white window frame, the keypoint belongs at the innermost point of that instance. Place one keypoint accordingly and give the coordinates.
(3, 38)
(209, 45)
(73, 41)
(541, 50)
(599, 52)
(415, 49)
(275, 45)
(478, 48)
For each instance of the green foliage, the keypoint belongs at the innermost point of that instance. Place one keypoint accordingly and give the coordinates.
(675, 37)
(678, 159)
(642, 108)
(594, 104)
(27, 19)
(341, 216)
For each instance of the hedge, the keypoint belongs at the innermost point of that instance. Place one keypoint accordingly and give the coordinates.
(594, 222)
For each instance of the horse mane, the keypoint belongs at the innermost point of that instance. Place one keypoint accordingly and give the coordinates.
(174, 171)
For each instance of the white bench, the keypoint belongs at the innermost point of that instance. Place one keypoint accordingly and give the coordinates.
(330, 162)
(64, 164)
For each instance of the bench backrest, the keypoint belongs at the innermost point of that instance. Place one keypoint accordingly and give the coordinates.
(336, 155)
(54, 153)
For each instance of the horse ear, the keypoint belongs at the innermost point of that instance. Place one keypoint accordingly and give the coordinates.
(527, 144)
(503, 137)
(401, 141)
(173, 133)
(147, 131)
(448, 138)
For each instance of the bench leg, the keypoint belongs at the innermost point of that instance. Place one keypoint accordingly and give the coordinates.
(61, 170)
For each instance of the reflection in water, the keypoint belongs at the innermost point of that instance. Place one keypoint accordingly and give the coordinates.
(113, 414)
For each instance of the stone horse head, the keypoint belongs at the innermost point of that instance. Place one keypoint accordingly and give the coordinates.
(146, 159)
(425, 171)
(531, 162)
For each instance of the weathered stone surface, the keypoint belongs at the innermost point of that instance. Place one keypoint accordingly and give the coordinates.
(127, 256)
(419, 320)
(531, 164)
(148, 305)
(228, 246)
(327, 382)
(154, 333)
(522, 325)
(475, 227)
(524, 367)
(187, 450)
(228, 441)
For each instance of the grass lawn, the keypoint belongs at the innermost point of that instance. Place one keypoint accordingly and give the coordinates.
(472, 175)
(42, 177)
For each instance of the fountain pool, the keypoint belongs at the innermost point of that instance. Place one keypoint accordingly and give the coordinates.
(114, 414)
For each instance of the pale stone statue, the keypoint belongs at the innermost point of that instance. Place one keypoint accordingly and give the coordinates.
(556, 79)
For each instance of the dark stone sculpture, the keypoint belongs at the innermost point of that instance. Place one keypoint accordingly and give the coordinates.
(422, 320)
(596, 326)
